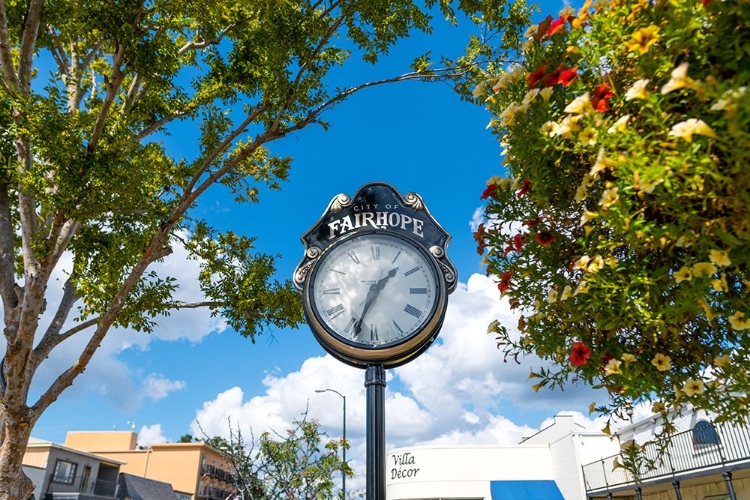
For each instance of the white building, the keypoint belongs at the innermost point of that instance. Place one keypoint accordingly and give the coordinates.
(704, 461)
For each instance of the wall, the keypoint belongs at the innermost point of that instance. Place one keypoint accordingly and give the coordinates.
(95, 441)
(461, 472)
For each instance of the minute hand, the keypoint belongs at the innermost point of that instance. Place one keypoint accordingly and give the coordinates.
(372, 294)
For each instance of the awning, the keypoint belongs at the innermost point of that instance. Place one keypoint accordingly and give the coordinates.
(525, 490)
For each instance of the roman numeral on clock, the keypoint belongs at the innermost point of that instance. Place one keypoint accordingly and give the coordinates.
(411, 271)
(374, 332)
(375, 252)
(335, 311)
(416, 291)
(353, 256)
(412, 310)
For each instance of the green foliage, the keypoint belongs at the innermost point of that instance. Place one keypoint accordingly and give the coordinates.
(301, 463)
(622, 230)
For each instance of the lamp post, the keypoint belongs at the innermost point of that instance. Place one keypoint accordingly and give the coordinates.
(343, 447)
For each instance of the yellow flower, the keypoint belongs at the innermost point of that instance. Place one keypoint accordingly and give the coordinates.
(528, 45)
(583, 188)
(719, 257)
(728, 99)
(648, 186)
(587, 216)
(692, 126)
(596, 263)
(658, 407)
(720, 285)
(628, 358)
(566, 293)
(609, 198)
(583, 15)
(600, 4)
(662, 362)
(601, 163)
(567, 11)
(582, 262)
(722, 361)
(638, 90)
(479, 90)
(508, 116)
(581, 288)
(579, 105)
(678, 80)
(738, 321)
(530, 95)
(620, 125)
(567, 127)
(588, 136)
(704, 270)
(683, 274)
(693, 387)
(546, 93)
(531, 31)
(642, 39)
(552, 296)
(613, 367)
(550, 128)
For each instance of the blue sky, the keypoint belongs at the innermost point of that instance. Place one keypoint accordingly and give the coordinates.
(194, 374)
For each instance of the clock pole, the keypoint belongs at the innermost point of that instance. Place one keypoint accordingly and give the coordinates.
(375, 387)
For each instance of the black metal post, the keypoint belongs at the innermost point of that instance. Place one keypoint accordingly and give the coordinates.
(375, 386)
(730, 487)
(677, 490)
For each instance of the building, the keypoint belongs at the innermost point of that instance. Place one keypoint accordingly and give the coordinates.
(704, 460)
(564, 461)
(64, 473)
(196, 471)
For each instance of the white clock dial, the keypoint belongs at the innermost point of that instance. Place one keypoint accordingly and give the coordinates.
(374, 289)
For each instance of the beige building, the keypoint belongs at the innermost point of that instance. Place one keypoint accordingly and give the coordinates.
(196, 471)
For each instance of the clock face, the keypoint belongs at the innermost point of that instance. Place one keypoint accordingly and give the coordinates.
(374, 290)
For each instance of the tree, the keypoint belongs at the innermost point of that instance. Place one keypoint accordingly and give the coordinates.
(87, 88)
(622, 230)
(297, 465)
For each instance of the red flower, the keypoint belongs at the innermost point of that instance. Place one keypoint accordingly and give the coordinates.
(557, 26)
(525, 188)
(567, 76)
(544, 238)
(507, 250)
(533, 222)
(537, 76)
(504, 281)
(602, 94)
(489, 191)
(518, 241)
(579, 354)
(542, 28)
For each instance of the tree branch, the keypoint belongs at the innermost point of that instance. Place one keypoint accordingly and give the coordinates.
(157, 125)
(28, 41)
(115, 80)
(7, 251)
(6, 57)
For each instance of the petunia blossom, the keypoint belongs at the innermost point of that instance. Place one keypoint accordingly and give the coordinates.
(662, 362)
(609, 197)
(579, 105)
(620, 125)
(546, 93)
(638, 90)
(602, 94)
(641, 40)
(613, 367)
(544, 238)
(720, 258)
(739, 322)
(587, 137)
(579, 354)
(704, 270)
(678, 79)
(693, 387)
(537, 76)
(683, 274)
(692, 126)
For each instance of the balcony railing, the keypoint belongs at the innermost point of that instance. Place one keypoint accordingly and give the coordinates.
(82, 489)
(705, 449)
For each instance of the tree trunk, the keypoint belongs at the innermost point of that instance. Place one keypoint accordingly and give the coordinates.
(14, 485)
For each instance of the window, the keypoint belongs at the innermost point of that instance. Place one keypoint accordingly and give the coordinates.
(65, 472)
(704, 434)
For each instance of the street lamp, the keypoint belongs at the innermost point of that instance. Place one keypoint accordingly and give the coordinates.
(343, 447)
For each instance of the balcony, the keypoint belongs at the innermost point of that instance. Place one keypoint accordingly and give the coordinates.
(706, 449)
(82, 489)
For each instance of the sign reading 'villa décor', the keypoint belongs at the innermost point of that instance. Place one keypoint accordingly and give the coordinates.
(375, 277)
(404, 466)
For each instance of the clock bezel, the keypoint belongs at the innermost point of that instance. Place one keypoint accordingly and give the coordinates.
(390, 354)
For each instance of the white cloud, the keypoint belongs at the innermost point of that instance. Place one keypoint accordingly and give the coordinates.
(151, 434)
(158, 387)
